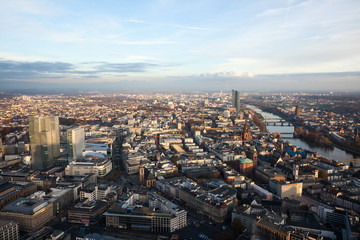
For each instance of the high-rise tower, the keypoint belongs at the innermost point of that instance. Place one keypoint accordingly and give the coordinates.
(236, 100)
(44, 141)
(75, 143)
(297, 111)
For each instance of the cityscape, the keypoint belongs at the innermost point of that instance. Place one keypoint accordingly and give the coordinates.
(180, 120)
(222, 165)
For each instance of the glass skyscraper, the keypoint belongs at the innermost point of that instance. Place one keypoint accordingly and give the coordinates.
(44, 141)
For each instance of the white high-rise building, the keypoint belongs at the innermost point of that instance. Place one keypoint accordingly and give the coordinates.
(75, 143)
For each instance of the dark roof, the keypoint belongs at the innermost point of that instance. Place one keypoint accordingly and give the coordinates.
(5, 185)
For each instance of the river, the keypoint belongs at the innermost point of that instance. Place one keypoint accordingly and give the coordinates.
(287, 132)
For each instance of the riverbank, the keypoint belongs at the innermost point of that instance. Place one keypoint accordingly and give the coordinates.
(321, 142)
(313, 137)
(334, 152)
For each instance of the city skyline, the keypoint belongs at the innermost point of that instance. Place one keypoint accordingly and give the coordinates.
(202, 45)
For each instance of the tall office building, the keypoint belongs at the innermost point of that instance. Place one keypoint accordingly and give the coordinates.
(236, 100)
(44, 141)
(297, 111)
(75, 143)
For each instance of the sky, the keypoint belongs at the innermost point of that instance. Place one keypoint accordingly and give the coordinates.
(185, 44)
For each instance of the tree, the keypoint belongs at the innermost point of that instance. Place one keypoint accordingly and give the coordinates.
(299, 130)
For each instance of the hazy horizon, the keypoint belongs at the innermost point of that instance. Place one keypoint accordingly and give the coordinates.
(181, 45)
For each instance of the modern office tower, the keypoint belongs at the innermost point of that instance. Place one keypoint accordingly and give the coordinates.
(297, 111)
(44, 141)
(75, 142)
(236, 100)
(232, 97)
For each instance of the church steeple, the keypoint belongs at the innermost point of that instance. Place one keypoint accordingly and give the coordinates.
(246, 132)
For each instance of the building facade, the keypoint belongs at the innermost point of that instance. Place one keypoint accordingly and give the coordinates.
(29, 213)
(286, 188)
(236, 100)
(159, 214)
(75, 143)
(9, 230)
(87, 212)
(99, 167)
(44, 141)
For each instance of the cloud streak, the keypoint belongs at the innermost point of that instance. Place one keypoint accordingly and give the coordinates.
(11, 70)
(231, 74)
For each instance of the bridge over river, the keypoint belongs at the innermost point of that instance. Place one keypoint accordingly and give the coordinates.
(277, 123)
(286, 132)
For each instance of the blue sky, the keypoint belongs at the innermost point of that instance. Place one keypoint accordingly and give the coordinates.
(212, 44)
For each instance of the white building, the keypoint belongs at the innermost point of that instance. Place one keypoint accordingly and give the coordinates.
(95, 192)
(92, 163)
(75, 142)
(179, 219)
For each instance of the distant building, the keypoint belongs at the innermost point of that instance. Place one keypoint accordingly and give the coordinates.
(236, 100)
(248, 216)
(44, 141)
(246, 133)
(9, 192)
(75, 143)
(216, 204)
(61, 198)
(245, 166)
(94, 192)
(286, 188)
(9, 230)
(274, 227)
(92, 163)
(297, 111)
(49, 233)
(159, 214)
(87, 212)
(29, 213)
(265, 174)
(146, 177)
